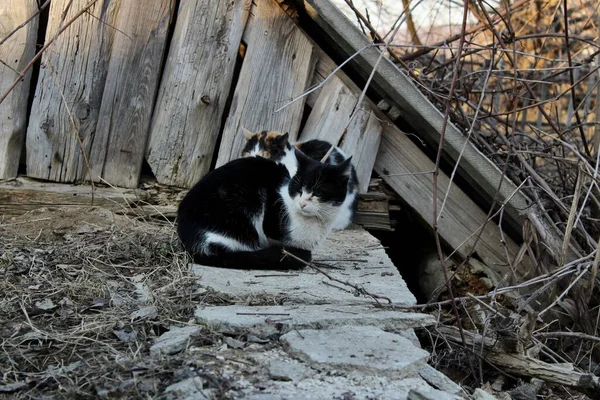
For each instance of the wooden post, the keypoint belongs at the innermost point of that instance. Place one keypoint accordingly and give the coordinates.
(15, 53)
(195, 86)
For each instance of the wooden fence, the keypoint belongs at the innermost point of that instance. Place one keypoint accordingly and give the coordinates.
(115, 89)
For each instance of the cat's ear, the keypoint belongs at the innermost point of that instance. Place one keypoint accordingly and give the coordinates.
(248, 134)
(345, 167)
(285, 137)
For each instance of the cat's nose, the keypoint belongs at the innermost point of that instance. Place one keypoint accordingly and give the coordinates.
(303, 203)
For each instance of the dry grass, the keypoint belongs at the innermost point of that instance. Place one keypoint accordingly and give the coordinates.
(73, 280)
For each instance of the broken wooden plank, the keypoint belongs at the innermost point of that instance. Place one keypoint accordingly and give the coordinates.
(15, 54)
(330, 120)
(278, 66)
(462, 224)
(416, 189)
(69, 92)
(194, 88)
(23, 195)
(389, 81)
(139, 40)
(493, 352)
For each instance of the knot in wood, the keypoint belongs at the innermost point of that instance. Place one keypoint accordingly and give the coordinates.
(205, 99)
(82, 111)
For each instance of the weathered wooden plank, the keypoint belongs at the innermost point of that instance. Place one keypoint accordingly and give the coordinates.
(15, 53)
(22, 195)
(330, 120)
(404, 167)
(70, 85)
(194, 88)
(277, 67)
(137, 51)
(482, 175)
(401, 165)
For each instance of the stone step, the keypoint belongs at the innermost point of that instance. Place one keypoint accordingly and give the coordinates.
(367, 349)
(359, 256)
(269, 321)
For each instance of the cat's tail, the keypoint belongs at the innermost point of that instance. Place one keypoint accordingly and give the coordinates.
(268, 258)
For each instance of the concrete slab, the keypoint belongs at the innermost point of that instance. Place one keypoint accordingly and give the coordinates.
(269, 321)
(357, 348)
(339, 387)
(360, 256)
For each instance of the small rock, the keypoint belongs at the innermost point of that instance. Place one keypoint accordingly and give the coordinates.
(234, 343)
(439, 380)
(46, 304)
(174, 341)
(149, 312)
(287, 371)
(99, 302)
(255, 339)
(480, 394)
(191, 388)
(126, 335)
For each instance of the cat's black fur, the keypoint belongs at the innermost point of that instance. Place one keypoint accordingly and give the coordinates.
(222, 201)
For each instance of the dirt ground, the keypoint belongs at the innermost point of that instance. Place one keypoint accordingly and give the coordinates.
(83, 295)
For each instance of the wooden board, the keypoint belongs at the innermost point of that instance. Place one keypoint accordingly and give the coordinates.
(393, 85)
(278, 66)
(329, 118)
(71, 84)
(22, 195)
(398, 156)
(404, 167)
(138, 41)
(194, 88)
(16, 53)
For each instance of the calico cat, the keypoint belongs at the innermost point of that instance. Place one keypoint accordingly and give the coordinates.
(275, 146)
(242, 214)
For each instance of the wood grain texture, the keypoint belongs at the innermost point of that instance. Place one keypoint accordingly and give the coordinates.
(278, 66)
(73, 68)
(404, 167)
(328, 121)
(194, 88)
(15, 53)
(22, 195)
(132, 78)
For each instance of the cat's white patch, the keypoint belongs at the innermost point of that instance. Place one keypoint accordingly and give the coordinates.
(307, 228)
(289, 161)
(223, 240)
(344, 217)
(257, 221)
(255, 151)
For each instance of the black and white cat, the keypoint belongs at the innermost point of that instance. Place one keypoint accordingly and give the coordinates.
(242, 214)
(275, 146)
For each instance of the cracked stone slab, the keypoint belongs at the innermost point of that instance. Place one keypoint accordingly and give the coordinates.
(173, 341)
(361, 259)
(272, 320)
(364, 348)
(340, 387)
